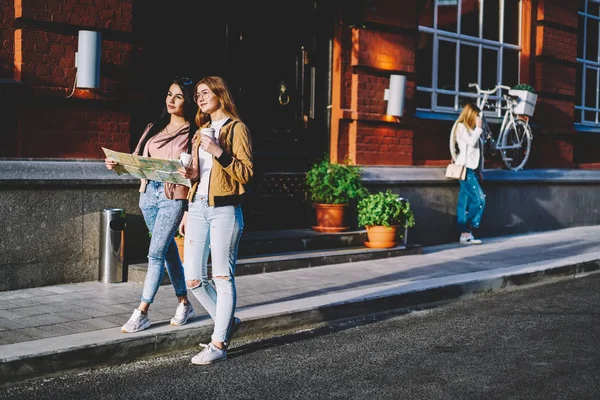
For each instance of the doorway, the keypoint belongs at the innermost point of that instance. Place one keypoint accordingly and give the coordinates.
(275, 57)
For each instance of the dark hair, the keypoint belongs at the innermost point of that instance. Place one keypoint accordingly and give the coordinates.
(189, 112)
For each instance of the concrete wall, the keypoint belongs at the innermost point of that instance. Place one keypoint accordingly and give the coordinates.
(517, 202)
(50, 211)
(50, 221)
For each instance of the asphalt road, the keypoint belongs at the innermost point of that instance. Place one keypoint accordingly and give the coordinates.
(536, 343)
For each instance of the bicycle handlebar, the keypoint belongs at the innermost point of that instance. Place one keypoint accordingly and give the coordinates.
(491, 91)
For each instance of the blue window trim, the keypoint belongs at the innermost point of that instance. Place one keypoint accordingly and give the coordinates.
(587, 128)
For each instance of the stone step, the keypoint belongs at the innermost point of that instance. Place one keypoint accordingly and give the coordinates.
(294, 260)
(263, 252)
(294, 240)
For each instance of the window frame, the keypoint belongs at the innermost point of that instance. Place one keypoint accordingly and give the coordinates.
(459, 39)
(584, 65)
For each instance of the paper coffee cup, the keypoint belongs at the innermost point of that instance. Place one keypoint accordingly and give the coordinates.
(210, 132)
(186, 159)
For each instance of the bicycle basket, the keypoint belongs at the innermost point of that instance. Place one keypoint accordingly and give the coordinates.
(525, 102)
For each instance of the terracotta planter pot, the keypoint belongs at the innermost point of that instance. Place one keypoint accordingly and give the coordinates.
(330, 217)
(179, 242)
(382, 237)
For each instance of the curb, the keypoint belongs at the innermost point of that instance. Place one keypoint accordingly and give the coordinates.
(107, 347)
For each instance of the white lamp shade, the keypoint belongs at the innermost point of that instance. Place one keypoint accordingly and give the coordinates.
(87, 60)
(395, 95)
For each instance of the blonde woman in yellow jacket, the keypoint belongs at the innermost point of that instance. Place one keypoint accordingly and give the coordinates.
(214, 222)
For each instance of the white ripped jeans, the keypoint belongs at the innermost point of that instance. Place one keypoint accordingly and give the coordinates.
(214, 231)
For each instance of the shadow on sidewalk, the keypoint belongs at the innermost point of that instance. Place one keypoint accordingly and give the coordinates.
(475, 263)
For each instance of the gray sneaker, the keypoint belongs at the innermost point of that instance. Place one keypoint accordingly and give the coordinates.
(209, 355)
(137, 322)
(469, 240)
(183, 313)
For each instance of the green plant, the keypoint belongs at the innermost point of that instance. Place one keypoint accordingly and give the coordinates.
(334, 183)
(385, 209)
(524, 86)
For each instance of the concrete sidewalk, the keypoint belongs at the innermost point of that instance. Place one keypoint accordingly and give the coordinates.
(50, 329)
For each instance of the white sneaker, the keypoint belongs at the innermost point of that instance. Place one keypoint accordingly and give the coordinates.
(209, 355)
(183, 313)
(469, 239)
(137, 322)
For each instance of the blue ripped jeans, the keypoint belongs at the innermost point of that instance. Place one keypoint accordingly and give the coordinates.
(471, 203)
(215, 231)
(162, 218)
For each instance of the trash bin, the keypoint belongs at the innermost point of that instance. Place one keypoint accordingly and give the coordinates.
(112, 240)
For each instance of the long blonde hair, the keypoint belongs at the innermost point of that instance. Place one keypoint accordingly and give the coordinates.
(468, 116)
(219, 88)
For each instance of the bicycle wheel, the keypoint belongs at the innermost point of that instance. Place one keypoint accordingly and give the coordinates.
(453, 145)
(515, 145)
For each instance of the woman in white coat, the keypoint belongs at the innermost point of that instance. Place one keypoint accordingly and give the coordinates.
(471, 199)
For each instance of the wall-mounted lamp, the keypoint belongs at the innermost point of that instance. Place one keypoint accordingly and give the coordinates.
(87, 60)
(395, 95)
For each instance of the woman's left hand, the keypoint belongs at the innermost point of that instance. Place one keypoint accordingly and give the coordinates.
(188, 173)
(211, 146)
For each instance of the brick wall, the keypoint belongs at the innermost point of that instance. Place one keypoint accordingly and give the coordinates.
(382, 144)
(115, 15)
(72, 131)
(555, 79)
(39, 37)
(52, 119)
(384, 50)
(556, 43)
(558, 11)
(379, 45)
(431, 142)
(7, 13)
(384, 43)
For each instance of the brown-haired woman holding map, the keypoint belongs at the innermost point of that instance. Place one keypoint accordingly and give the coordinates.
(163, 204)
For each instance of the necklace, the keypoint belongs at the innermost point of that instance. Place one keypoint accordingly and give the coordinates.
(174, 130)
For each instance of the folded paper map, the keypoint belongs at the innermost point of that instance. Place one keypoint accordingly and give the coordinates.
(156, 169)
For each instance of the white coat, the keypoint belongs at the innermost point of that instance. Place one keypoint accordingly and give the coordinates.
(469, 152)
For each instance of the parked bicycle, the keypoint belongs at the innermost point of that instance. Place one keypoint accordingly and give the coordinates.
(514, 137)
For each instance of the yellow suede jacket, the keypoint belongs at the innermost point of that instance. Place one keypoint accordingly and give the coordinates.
(231, 170)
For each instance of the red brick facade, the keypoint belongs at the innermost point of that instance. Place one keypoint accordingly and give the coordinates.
(39, 41)
(385, 44)
(44, 39)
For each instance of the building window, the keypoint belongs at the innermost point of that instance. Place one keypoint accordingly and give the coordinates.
(464, 41)
(587, 105)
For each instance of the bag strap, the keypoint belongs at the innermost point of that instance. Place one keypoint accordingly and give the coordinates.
(231, 132)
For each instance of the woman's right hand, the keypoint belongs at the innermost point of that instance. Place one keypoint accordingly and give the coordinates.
(478, 122)
(182, 224)
(110, 163)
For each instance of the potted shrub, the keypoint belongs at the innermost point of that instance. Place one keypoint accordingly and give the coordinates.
(332, 187)
(526, 99)
(382, 214)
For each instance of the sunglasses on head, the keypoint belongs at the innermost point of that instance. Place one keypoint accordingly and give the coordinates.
(184, 81)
